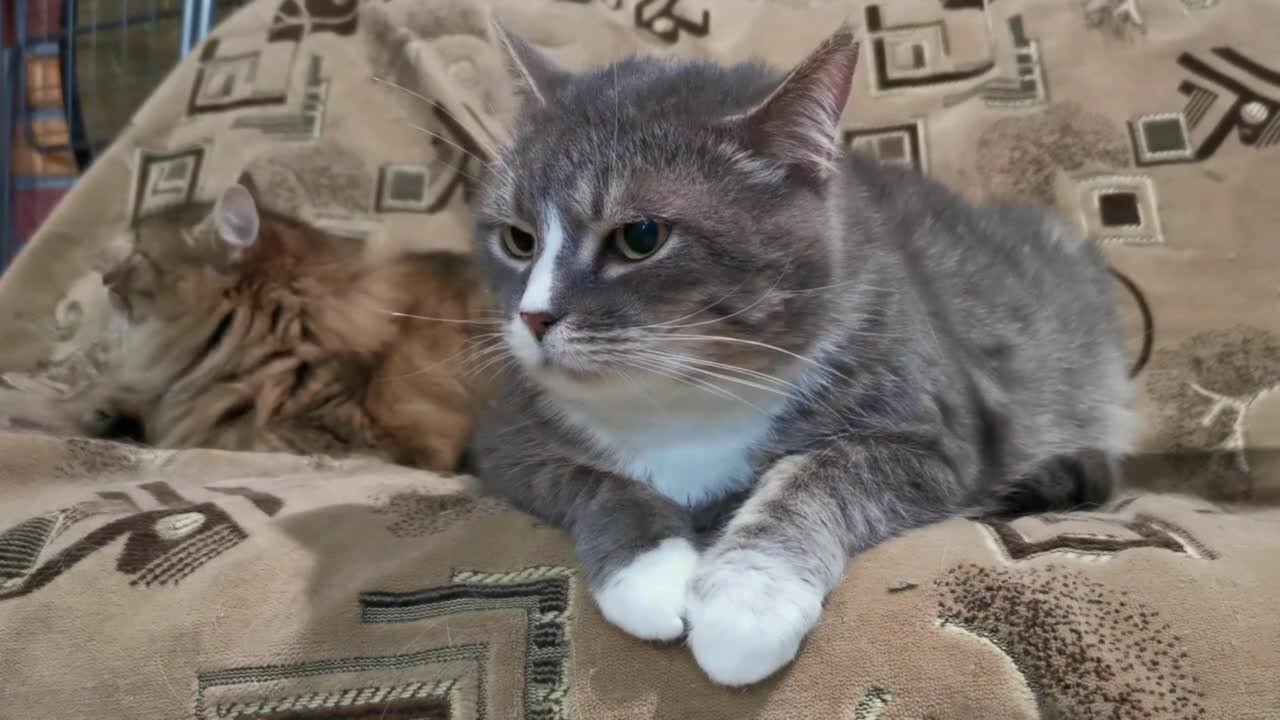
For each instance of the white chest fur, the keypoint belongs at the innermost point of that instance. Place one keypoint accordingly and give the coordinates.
(690, 445)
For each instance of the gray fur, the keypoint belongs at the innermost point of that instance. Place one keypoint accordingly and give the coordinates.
(957, 360)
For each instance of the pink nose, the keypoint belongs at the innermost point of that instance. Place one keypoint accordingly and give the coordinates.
(539, 322)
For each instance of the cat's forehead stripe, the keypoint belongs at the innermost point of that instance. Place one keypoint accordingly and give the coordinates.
(537, 293)
(585, 192)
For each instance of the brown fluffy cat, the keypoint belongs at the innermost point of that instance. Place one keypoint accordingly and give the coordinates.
(251, 331)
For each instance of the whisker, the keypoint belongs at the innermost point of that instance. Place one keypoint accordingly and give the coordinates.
(794, 391)
(484, 312)
(727, 366)
(832, 286)
(674, 373)
(479, 340)
(773, 289)
(713, 303)
(503, 354)
(395, 313)
(503, 365)
(669, 373)
(478, 344)
(510, 363)
(482, 355)
(442, 138)
(518, 426)
(434, 104)
(753, 343)
(740, 381)
(745, 309)
(617, 124)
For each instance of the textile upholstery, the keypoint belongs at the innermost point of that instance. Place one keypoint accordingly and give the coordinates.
(143, 583)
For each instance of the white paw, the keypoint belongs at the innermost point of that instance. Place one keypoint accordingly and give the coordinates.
(748, 613)
(646, 598)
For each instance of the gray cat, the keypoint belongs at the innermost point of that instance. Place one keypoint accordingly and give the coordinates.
(721, 320)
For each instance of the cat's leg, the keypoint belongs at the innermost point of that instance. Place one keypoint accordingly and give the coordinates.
(759, 589)
(83, 415)
(635, 546)
(637, 551)
(29, 411)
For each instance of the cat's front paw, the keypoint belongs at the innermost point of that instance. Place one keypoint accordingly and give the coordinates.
(748, 613)
(647, 597)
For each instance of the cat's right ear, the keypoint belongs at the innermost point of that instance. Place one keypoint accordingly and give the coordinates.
(535, 75)
(236, 221)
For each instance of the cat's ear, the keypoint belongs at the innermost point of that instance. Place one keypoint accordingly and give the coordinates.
(246, 181)
(235, 219)
(799, 122)
(535, 75)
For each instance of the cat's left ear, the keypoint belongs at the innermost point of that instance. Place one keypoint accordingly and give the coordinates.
(536, 76)
(235, 219)
(798, 124)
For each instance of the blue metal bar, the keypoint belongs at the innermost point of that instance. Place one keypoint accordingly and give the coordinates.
(152, 18)
(41, 182)
(68, 62)
(21, 94)
(12, 74)
(8, 86)
(206, 15)
(147, 18)
(63, 48)
(20, 24)
(184, 44)
(76, 136)
(124, 34)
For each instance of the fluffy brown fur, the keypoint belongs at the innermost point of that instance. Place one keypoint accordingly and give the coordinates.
(251, 331)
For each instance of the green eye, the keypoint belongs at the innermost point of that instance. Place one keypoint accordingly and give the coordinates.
(518, 243)
(639, 240)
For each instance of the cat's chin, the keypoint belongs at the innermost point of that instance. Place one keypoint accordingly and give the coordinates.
(560, 363)
(564, 373)
(554, 372)
(552, 361)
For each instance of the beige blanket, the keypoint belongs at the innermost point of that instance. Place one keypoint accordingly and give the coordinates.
(157, 584)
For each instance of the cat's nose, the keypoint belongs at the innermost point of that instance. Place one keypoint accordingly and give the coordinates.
(538, 322)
